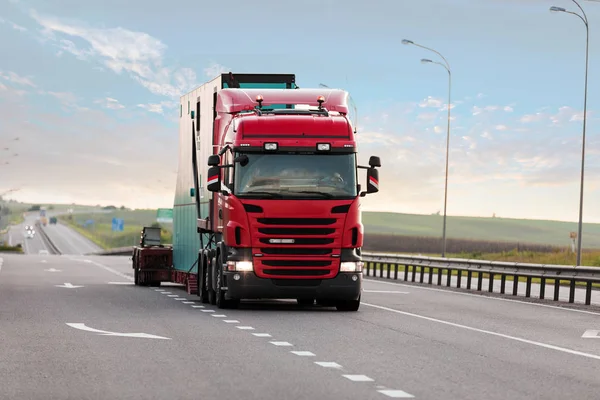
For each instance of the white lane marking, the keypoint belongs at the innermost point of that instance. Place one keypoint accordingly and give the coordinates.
(1, 262)
(173, 295)
(197, 306)
(83, 327)
(165, 292)
(180, 298)
(120, 283)
(219, 315)
(518, 339)
(358, 378)
(208, 310)
(159, 290)
(481, 296)
(188, 302)
(262, 335)
(328, 364)
(396, 394)
(384, 291)
(281, 343)
(52, 270)
(127, 277)
(245, 328)
(591, 334)
(43, 261)
(69, 286)
(304, 353)
(231, 321)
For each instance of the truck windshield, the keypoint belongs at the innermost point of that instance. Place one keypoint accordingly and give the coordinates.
(297, 176)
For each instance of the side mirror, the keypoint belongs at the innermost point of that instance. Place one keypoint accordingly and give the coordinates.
(374, 162)
(214, 179)
(214, 160)
(243, 160)
(372, 182)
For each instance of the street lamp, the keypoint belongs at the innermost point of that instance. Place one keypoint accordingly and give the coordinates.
(587, 43)
(446, 66)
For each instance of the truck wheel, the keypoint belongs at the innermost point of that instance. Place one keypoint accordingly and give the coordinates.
(212, 297)
(136, 277)
(221, 301)
(202, 278)
(348, 305)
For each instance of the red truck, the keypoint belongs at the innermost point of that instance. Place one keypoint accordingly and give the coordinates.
(281, 217)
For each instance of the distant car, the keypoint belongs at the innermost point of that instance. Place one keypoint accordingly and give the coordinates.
(29, 233)
(53, 220)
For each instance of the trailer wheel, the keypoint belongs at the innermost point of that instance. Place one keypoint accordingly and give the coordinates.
(348, 305)
(221, 301)
(212, 296)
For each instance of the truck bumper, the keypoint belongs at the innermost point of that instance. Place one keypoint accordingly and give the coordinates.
(249, 286)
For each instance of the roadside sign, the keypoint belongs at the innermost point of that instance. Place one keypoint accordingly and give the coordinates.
(164, 215)
(118, 224)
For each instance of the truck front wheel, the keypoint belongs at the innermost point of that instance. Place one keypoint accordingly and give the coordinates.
(221, 301)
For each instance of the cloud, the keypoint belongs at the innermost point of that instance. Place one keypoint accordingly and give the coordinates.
(13, 25)
(110, 103)
(138, 54)
(537, 117)
(158, 108)
(508, 109)
(431, 102)
(501, 127)
(215, 69)
(16, 79)
(68, 100)
(438, 129)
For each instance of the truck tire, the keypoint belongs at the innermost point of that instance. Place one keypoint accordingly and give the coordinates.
(202, 281)
(221, 301)
(212, 296)
(348, 305)
(136, 277)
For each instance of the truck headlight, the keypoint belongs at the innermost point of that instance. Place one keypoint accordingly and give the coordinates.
(241, 266)
(351, 266)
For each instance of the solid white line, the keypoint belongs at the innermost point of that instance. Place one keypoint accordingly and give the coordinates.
(303, 353)
(281, 343)
(358, 378)
(245, 328)
(397, 394)
(231, 321)
(532, 342)
(262, 335)
(484, 297)
(384, 291)
(328, 364)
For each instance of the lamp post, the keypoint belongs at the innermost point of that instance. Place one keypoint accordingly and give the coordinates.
(587, 43)
(446, 66)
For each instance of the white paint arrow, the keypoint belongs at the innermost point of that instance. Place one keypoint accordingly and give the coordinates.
(83, 327)
(68, 285)
(591, 334)
(52, 270)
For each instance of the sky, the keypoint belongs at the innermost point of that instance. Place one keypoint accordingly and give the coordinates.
(91, 91)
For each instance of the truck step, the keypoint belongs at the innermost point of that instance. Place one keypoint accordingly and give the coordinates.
(192, 286)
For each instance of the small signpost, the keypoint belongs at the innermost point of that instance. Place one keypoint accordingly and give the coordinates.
(164, 215)
(118, 224)
(573, 236)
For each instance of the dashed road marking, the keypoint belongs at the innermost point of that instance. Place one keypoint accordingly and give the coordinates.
(231, 321)
(219, 315)
(245, 328)
(396, 394)
(197, 306)
(281, 343)
(208, 310)
(328, 364)
(165, 293)
(188, 302)
(120, 283)
(172, 295)
(358, 378)
(180, 298)
(262, 335)
(304, 353)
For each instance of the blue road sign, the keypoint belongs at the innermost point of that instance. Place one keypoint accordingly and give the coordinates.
(118, 224)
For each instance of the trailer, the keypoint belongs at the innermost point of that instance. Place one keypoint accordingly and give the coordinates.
(267, 201)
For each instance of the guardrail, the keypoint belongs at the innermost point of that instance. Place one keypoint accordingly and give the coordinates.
(46, 239)
(414, 268)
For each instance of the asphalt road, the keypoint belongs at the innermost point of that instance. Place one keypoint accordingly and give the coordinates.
(408, 340)
(16, 235)
(69, 241)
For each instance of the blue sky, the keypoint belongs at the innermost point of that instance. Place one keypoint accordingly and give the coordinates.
(92, 90)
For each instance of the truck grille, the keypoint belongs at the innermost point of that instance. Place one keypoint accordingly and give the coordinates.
(297, 248)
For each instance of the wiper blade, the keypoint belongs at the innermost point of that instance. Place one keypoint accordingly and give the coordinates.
(327, 195)
(262, 193)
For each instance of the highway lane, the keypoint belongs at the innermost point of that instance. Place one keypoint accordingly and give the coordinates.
(202, 356)
(68, 241)
(33, 245)
(433, 343)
